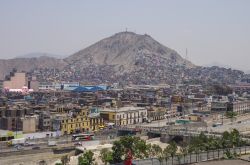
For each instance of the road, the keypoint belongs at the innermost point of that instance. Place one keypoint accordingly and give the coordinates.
(241, 123)
(30, 159)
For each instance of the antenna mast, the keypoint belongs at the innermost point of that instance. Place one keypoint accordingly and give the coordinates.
(186, 57)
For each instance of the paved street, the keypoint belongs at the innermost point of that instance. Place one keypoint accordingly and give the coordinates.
(30, 159)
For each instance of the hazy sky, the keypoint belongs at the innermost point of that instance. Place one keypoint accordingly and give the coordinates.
(212, 30)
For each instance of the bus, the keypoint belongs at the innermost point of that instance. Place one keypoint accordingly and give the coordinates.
(85, 136)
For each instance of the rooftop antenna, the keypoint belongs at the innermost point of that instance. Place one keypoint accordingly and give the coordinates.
(186, 57)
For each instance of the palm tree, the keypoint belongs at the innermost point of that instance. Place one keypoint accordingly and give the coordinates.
(184, 151)
(190, 151)
(64, 159)
(166, 154)
(217, 145)
(172, 149)
(156, 151)
(160, 156)
(197, 151)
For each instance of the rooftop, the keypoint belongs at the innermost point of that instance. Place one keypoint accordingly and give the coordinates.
(122, 109)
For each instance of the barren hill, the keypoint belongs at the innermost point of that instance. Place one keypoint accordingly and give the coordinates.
(124, 51)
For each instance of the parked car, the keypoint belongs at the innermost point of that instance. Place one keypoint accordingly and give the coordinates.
(36, 148)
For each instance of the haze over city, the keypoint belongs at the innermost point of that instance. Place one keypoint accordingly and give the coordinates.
(127, 82)
(214, 32)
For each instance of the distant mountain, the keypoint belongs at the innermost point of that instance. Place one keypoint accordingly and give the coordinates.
(217, 64)
(126, 50)
(39, 54)
(126, 58)
(29, 64)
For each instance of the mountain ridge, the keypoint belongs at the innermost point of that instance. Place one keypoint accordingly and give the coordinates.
(124, 57)
(123, 49)
(39, 54)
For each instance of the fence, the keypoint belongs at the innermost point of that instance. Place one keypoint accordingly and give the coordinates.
(194, 157)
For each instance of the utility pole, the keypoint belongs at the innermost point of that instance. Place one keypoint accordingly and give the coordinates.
(16, 127)
(222, 118)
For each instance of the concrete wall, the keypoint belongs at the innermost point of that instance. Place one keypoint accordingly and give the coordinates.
(29, 125)
(16, 82)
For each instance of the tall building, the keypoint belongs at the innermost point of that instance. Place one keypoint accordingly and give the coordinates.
(16, 80)
(1, 84)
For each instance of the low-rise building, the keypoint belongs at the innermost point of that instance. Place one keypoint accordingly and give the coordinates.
(29, 124)
(44, 121)
(81, 120)
(156, 113)
(239, 107)
(124, 115)
(12, 118)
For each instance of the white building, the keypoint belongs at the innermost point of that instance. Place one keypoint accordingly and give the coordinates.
(124, 115)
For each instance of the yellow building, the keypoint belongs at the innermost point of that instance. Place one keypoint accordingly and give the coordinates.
(194, 117)
(81, 121)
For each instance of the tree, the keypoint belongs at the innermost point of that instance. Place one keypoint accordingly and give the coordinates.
(118, 152)
(172, 149)
(64, 159)
(10, 133)
(150, 150)
(106, 156)
(155, 149)
(140, 148)
(231, 115)
(137, 146)
(235, 138)
(42, 162)
(184, 151)
(166, 154)
(86, 159)
(157, 152)
(226, 140)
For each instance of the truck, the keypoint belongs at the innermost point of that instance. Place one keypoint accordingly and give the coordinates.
(52, 143)
(19, 141)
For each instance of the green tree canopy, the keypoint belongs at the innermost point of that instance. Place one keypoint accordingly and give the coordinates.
(106, 156)
(86, 159)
